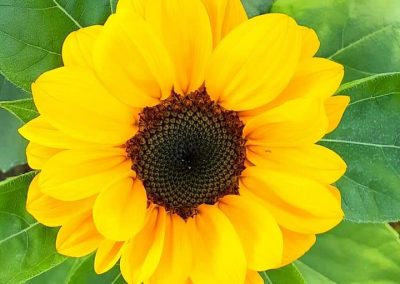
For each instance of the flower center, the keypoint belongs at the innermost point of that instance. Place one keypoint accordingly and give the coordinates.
(188, 151)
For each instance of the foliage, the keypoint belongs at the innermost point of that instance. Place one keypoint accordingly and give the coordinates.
(364, 36)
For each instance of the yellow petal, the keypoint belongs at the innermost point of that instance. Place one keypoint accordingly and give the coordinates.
(310, 43)
(74, 101)
(133, 7)
(315, 78)
(296, 190)
(37, 155)
(251, 221)
(297, 122)
(253, 277)
(185, 29)
(53, 212)
(142, 254)
(295, 245)
(40, 131)
(225, 15)
(297, 203)
(176, 260)
(119, 211)
(293, 218)
(77, 174)
(107, 255)
(335, 107)
(78, 237)
(80, 87)
(335, 192)
(219, 255)
(313, 161)
(78, 46)
(131, 61)
(254, 63)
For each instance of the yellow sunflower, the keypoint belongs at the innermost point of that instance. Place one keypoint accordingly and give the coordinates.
(179, 138)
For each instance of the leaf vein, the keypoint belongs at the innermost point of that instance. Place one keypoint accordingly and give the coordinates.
(116, 278)
(30, 44)
(373, 97)
(111, 7)
(360, 143)
(19, 233)
(363, 38)
(367, 188)
(67, 14)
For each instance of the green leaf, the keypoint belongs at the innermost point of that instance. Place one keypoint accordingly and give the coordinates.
(57, 274)
(113, 5)
(12, 145)
(288, 274)
(311, 276)
(31, 37)
(256, 7)
(85, 13)
(78, 271)
(8, 91)
(24, 110)
(362, 35)
(368, 139)
(26, 247)
(84, 273)
(354, 253)
(366, 39)
(32, 33)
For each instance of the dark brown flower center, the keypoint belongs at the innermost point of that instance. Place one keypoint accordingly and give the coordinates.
(188, 151)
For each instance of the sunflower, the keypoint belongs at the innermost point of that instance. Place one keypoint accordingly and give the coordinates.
(179, 138)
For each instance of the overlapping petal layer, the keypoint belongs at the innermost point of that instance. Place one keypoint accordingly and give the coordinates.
(176, 258)
(51, 211)
(263, 250)
(225, 16)
(78, 236)
(294, 123)
(78, 47)
(142, 254)
(120, 210)
(188, 48)
(298, 203)
(72, 99)
(132, 62)
(38, 154)
(254, 63)
(107, 255)
(313, 161)
(77, 174)
(219, 255)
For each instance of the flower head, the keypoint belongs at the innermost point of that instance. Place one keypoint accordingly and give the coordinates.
(180, 138)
